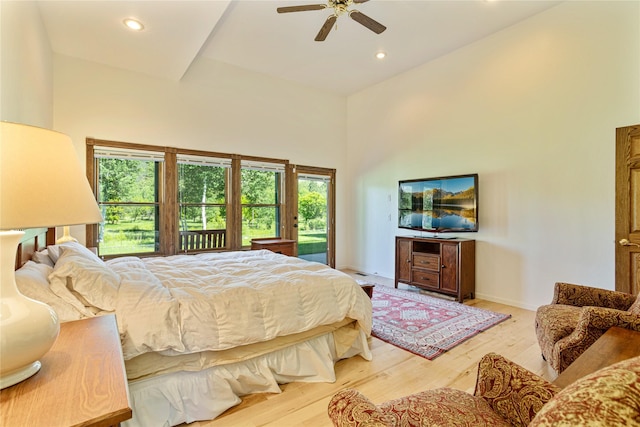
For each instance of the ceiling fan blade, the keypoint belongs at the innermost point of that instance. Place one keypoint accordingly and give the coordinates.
(301, 8)
(360, 1)
(363, 19)
(326, 28)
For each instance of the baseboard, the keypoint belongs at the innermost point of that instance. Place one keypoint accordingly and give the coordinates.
(505, 301)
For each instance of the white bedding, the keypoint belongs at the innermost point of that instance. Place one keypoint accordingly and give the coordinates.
(217, 301)
(240, 322)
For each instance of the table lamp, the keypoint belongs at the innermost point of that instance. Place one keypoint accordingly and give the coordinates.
(42, 184)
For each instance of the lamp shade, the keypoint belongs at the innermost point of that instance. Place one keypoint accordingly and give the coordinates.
(41, 181)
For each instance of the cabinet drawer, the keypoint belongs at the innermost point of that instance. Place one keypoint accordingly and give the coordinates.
(429, 262)
(425, 278)
(279, 246)
(284, 249)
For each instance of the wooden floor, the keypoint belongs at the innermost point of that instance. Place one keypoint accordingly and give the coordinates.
(393, 372)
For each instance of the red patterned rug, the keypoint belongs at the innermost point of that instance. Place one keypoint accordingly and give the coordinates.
(425, 325)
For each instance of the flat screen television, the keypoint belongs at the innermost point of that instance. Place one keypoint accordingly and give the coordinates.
(439, 205)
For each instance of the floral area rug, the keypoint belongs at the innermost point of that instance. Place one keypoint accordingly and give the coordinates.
(425, 325)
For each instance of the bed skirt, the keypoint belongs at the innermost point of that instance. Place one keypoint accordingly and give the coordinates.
(208, 387)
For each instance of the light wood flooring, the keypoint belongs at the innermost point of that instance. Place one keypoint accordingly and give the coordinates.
(393, 372)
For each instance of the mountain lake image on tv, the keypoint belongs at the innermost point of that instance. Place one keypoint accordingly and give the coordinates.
(439, 205)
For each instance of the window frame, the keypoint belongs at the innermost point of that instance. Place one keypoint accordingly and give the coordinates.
(207, 160)
(92, 231)
(169, 203)
(155, 205)
(280, 193)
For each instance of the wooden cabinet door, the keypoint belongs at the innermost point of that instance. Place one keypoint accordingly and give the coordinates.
(449, 270)
(627, 213)
(403, 260)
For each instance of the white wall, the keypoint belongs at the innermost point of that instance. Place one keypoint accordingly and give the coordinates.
(533, 109)
(215, 107)
(26, 88)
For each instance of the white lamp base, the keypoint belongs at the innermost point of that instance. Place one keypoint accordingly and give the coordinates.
(66, 237)
(28, 328)
(20, 375)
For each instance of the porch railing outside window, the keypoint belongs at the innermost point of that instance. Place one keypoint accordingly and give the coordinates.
(202, 198)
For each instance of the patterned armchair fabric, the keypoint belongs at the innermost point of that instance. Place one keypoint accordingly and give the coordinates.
(608, 397)
(505, 395)
(577, 316)
(512, 391)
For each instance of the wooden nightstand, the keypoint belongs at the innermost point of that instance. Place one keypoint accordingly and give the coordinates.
(82, 381)
(366, 287)
(275, 244)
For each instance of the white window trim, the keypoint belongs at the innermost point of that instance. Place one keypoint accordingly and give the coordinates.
(126, 154)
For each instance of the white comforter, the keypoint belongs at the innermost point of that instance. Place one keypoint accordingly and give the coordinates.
(214, 301)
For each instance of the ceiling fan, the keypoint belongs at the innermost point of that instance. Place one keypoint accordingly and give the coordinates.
(340, 7)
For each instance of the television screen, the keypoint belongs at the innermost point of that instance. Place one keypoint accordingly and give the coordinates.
(439, 205)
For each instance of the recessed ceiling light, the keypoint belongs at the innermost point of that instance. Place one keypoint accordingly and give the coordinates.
(133, 24)
(381, 55)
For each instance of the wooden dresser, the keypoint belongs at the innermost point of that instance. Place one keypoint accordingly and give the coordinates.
(447, 266)
(275, 244)
(82, 381)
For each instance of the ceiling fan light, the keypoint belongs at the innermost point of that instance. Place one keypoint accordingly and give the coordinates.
(133, 24)
(381, 55)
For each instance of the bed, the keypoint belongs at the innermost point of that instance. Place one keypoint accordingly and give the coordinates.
(200, 331)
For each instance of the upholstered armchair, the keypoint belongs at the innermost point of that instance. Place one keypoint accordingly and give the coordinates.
(505, 395)
(579, 315)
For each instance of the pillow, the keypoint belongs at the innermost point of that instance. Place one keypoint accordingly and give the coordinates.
(42, 257)
(56, 250)
(32, 282)
(88, 275)
(60, 289)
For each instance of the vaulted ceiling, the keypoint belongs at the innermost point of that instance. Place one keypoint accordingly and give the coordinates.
(250, 34)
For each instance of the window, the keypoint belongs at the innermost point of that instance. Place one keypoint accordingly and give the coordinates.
(128, 195)
(202, 198)
(261, 192)
(163, 200)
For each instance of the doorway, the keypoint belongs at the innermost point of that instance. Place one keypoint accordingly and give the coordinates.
(313, 213)
(627, 264)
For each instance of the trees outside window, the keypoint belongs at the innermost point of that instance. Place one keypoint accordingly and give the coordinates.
(128, 198)
(313, 240)
(202, 195)
(312, 208)
(261, 191)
